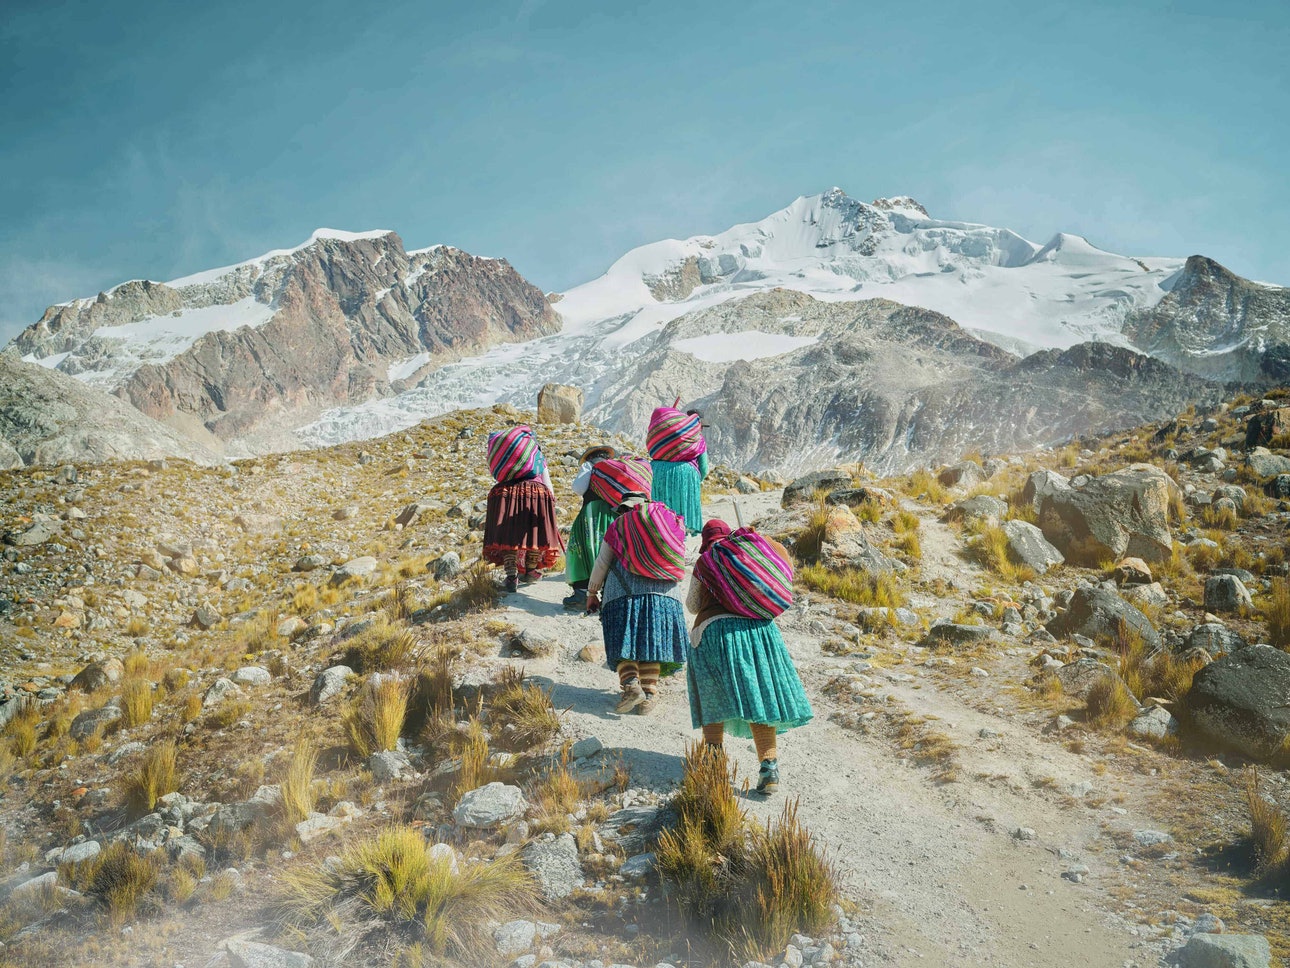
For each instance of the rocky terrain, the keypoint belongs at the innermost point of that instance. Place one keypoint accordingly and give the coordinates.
(270, 713)
(237, 357)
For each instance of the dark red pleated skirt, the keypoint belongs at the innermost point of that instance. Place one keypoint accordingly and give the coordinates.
(521, 518)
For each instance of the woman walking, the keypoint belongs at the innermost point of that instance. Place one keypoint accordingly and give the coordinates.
(638, 574)
(520, 530)
(740, 677)
(587, 531)
(679, 452)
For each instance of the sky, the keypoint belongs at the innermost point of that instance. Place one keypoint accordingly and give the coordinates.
(156, 139)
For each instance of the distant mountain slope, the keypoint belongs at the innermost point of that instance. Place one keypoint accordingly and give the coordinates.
(1216, 323)
(247, 352)
(47, 417)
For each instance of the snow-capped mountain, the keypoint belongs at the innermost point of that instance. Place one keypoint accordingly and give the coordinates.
(239, 356)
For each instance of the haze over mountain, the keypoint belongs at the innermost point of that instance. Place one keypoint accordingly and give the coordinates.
(350, 336)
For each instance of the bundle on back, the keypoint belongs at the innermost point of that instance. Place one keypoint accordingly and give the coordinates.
(615, 478)
(748, 574)
(675, 435)
(650, 542)
(514, 455)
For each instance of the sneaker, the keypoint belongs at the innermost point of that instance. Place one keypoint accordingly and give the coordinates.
(647, 707)
(512, 585)
(633, 696)
(577, 602)
(768, 778)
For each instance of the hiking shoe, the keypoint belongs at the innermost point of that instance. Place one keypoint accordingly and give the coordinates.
(768, 778)
(647, 707)
(529, 577)
(577, 602)
(633, 696)
(512, 585)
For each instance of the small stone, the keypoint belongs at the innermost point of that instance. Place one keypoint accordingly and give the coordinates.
(584, 748)
(309, 563)
(252, 676)
(490, 806)
(205, 617)
(1024, 833)
(1151, 838)
(218, 691)
(329, 683)
(446, 567)
(388, 765)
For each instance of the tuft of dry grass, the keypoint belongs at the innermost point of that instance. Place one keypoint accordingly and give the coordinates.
(150, 779)
(924, 485)
(479, 592)
(1267, 830)
(121, 880)
(810, 541)
(21, 730)
(375, 721)
(390, 885)
(472, 750)
(853, 585)
(136, 702)
(556, 795)
(992, 550)
(523, 713)
(384, 644)
(1277, 613)
(1109, 704)
(297, 782)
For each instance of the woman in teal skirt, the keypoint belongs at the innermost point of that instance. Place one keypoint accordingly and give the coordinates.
(680, 461)
(740, 676)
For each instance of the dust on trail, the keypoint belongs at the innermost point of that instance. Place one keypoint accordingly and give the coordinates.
(938, 873)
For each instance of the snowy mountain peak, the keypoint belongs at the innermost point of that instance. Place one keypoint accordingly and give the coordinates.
(901, 203)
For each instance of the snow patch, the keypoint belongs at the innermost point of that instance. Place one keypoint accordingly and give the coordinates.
(748, 344)
(405, 368)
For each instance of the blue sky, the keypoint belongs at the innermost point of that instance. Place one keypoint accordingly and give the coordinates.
(156, 139)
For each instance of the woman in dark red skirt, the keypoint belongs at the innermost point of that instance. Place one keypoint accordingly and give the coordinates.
(520, 530)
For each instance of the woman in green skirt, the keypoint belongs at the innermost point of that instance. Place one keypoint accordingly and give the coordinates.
(740, 676)
(588, 530)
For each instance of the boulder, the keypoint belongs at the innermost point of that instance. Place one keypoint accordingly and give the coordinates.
(93, 721)
(355, 568)
(252, 676)
(746, 485)
(490, 806)
(1042, 484)
(1132, 571)
(1225, 951)
(964, 474)
(1267, 465)
(516, 937)
(232, 818)
(446, 567)
(851, 549)
(1215, 638)
(1118, 514)
(1027, 544)
(804, 488)
(1078, 677)
(1147, 596)
(309, 563)
(218, 691)
(1226, 593)
(204, 617)
(97, 675)
(555, 864)
(253, 954)
(1279, 486)
(36, 534)
(319, 825)
(1154, 723)
(559, 404)
(388, 765)
(1263, 427)
(1097, 612)
(983, 507)
(328, 683)
(1239, 701)
(954, 634)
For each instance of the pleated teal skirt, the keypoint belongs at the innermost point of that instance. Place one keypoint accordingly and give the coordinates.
(678, 485)
(645, 628)
(742, 673)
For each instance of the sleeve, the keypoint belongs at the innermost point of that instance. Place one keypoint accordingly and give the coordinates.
(582, 482)
(694, 596)
(703, 465)
(600, 570)
(546, 479)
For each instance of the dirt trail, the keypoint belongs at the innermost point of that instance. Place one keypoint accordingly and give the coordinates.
(937, 870)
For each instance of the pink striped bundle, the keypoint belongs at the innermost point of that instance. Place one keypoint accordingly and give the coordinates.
(650, 542)
(747, 574)
(675, 435)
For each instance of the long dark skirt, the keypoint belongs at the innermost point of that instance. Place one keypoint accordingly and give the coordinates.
(520, 519)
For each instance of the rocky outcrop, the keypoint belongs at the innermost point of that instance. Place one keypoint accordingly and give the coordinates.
(559, 404)
(1101, 614)
(338, 320)
(1118, 514)
(49, 418)
(1239, 702)
(1215, 323)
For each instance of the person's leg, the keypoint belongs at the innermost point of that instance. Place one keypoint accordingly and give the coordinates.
(532, 565)
(714, 735)
(630, 684)
(768, 754)
(649, 675)
(511, 569)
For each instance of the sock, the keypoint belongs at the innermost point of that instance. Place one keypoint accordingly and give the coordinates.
(508, 563)
(764, 740)
(714, 734)
(581, 586)
(532, 561)
(649, 673)
(627, 671)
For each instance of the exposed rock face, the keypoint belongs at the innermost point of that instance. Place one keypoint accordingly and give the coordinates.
(47, 417)
(895, 386)
(559, 404)
(1099, 613)
(335, 321)
(1215, 323)
(1119, 514)
(1239, 701)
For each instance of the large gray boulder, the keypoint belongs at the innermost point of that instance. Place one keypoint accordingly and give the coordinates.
(1239, 701)
(490, 806)
(1265, 464)
(253, 954)
(982, 507)
(559, 404)
(1028, 545)
(1042, 484)
(1098, 612)
(965, 474)
(1226, 593)
(804, 488)
(1118, 514)
(1215, 638)
(555, 864)
(1225, 951)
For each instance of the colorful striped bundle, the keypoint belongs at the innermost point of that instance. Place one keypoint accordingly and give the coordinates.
(514, 455)
(650, 542)
(614, 478)
(675, 435)
(747, 574)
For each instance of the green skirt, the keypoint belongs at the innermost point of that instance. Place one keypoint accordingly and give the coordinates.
(584, 539)
(678, 485)
(742, 673)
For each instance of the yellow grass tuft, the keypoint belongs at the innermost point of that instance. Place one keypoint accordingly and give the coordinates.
(1109, 703)
(136, 702)
(297, 782)
(853, 585)
(150, 779)
(1277, 613)
(121, 880)
(375, 721)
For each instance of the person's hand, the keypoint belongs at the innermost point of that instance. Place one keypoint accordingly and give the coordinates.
(593, 602)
